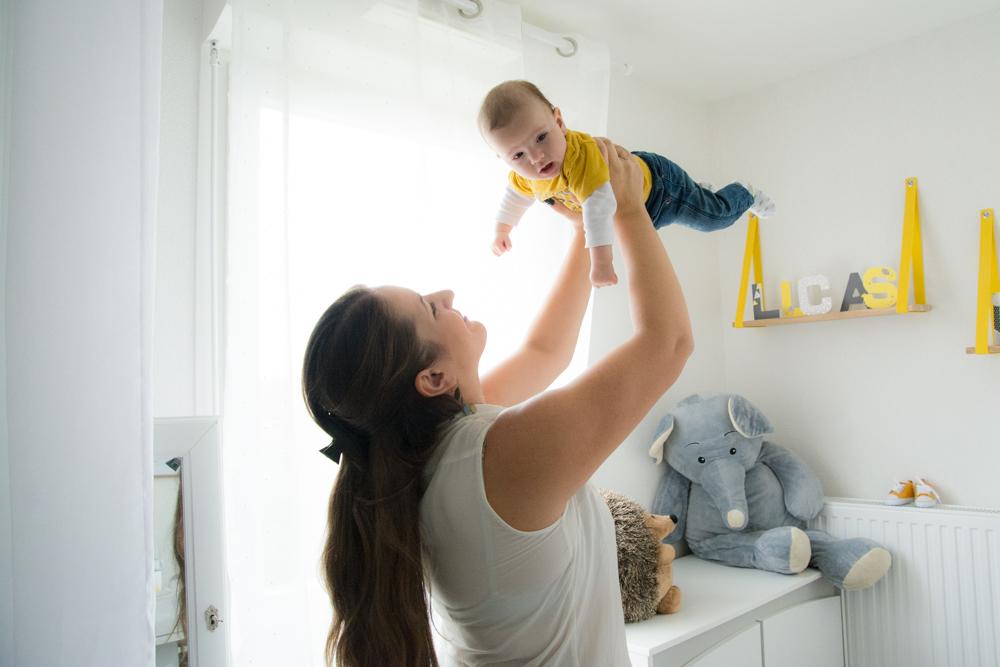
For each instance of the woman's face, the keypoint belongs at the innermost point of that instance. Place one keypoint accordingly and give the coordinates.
(460, 339)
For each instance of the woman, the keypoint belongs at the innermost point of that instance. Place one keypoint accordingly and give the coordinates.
(443, 487)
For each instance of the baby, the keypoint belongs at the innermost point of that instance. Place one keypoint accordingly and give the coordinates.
(555, 164)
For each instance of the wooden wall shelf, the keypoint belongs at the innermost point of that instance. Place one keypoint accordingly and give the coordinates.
(992, 349)
(848, 315)
(911, 265)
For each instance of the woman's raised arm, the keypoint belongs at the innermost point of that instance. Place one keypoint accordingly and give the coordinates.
(548, 347)
(539, 453)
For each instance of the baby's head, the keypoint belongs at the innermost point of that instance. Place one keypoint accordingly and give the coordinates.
(524, 129)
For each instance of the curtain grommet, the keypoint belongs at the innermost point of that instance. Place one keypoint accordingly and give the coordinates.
(573, 44)
(471, 15)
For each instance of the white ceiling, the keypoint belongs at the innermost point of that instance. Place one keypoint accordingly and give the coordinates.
(712, 49)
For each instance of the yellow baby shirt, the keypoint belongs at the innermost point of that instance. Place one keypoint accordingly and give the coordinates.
(584, 170)
(583, 184)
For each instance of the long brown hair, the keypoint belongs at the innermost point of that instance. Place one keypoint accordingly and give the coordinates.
(182, 619)
(359, 370)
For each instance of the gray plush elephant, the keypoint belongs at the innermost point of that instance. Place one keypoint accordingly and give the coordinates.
(744, 501)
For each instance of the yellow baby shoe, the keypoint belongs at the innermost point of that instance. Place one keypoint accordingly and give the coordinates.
(926, 495)
(902, 494)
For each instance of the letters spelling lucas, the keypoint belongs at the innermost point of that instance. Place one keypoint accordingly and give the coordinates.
(876, 289)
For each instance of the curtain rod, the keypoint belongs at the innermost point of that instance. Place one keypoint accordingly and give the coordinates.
(564, 46)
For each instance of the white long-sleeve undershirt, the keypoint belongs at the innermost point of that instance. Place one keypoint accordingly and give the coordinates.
(598, 212)
(512, 207)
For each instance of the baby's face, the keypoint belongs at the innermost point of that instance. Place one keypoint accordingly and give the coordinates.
(533, 144)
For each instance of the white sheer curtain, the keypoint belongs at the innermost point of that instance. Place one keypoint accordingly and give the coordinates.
(355, 158)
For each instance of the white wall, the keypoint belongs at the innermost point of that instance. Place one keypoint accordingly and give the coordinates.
(6, 548)
(175, 377)
(78, 323)
(641, 117)
(869, 401)
(210, 16)
(188, 273)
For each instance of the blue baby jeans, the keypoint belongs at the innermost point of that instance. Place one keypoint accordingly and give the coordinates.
(675, 197)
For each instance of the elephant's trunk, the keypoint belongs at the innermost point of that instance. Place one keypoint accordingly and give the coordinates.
(725, 482)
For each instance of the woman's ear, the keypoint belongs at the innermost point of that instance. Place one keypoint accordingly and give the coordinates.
(432, 382)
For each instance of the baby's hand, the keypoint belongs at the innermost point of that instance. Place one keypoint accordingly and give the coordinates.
(603, 276)
(602, 269)
(501, 243)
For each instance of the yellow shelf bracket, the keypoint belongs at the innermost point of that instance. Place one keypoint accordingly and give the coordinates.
(750, 255)
(911, 257)
(989, 280)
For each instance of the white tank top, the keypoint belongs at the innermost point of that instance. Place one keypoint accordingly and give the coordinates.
(508, 597)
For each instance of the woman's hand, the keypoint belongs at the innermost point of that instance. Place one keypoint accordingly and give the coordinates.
(626, 176)
(576, 217)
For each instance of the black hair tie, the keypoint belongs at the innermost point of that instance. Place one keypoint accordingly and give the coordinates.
(344, 438)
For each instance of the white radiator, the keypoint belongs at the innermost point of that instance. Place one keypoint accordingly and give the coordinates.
(939, 605)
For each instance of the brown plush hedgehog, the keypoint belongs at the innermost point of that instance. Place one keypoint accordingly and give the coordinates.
(644, 564)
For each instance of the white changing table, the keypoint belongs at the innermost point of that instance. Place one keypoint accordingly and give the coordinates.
(737, 617)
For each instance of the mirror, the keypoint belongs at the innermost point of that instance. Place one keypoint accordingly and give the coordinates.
(191, 602)
(168, 565)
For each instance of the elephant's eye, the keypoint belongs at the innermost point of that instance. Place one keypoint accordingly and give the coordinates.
(733, 451)
(701, 459)
(727, 433)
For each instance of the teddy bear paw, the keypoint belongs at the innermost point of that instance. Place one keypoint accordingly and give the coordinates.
(671, 602)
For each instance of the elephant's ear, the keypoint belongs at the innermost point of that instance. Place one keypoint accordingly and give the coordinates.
(662, 433)
(747, 419)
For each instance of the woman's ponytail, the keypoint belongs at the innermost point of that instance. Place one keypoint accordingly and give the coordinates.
(358, 375)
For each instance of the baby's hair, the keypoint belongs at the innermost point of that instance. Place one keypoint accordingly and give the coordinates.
(505, 100)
